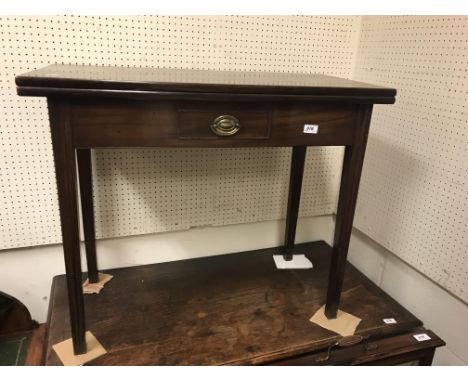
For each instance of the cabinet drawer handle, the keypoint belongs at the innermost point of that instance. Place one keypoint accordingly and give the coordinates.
(343, 342)
(225, 125)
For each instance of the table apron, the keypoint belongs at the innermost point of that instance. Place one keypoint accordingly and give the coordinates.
(189, 124)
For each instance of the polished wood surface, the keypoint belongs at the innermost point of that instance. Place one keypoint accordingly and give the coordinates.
(351, 174)
(65, 171)
(187, 124)
(195, 119)
(14, 316)
(109, 81)
(386, 351)
(296, 173)
(228, 309)
(135, 107)
(83, 160)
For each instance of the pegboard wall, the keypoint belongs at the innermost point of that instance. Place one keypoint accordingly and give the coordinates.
(143, 191)
(413, 197)
(413, 194)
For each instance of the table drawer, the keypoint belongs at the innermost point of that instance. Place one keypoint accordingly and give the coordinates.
(224, 121)
(210, 124)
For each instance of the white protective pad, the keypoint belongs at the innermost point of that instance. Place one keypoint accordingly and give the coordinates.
(297, 262)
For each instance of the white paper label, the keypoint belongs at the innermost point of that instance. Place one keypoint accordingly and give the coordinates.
(389, 320)
(310, 129)
(421, 337)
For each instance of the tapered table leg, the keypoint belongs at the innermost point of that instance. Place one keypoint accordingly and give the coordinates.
(428, 358)
(351, 174)
(294, 198)
(87, 210)
(65, 171)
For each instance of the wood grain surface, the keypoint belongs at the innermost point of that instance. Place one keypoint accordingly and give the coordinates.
(111, 81)
(228, 309)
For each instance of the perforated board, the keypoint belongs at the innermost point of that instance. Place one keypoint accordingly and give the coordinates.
(143, 191)
(414, 194)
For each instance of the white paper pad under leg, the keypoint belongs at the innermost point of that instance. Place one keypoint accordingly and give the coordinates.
(297, 262)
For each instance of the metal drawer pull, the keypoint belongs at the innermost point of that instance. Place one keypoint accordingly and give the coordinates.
(225, 125)
(342, 342)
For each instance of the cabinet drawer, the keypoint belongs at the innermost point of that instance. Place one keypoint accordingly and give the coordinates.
(224, 121)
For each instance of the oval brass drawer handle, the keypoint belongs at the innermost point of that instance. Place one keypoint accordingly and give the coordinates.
(225, 125)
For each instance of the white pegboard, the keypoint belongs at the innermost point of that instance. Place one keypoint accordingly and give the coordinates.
(414, 194)
(153, 190)
(142, 191)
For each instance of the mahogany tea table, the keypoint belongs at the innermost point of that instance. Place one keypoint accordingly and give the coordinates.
(108, 107)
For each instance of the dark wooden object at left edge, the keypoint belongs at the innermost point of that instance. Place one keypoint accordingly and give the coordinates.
(98, 107)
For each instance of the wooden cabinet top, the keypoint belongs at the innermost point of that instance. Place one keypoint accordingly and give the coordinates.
(76, 80)
(230, 309)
